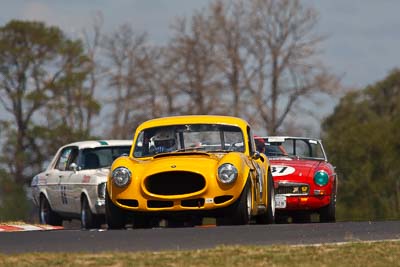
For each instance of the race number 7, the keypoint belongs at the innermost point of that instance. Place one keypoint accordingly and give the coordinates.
(281, 170)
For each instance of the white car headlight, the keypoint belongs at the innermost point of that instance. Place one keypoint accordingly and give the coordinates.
(227, 173)
(101, 190)
(121, 176)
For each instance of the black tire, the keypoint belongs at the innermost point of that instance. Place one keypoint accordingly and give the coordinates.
(47, 215)
(269, 216)
(271, 211)
(241, 212)
(175, 223)
(141, 221)
(223, 221)
(190, 221)
(88, 219)
(301, 218)
(196, 221)
(328, 213)
(279, 218)
(115, 217)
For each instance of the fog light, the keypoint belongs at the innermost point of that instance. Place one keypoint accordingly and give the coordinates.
(319, 192)
(303, 199)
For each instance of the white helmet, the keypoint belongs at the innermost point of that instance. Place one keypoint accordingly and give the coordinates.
(164, 135)
(164, 140)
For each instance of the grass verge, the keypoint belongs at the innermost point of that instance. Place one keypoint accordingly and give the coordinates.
(385, 253)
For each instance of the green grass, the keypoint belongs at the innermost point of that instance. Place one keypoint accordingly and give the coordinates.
(386, 253)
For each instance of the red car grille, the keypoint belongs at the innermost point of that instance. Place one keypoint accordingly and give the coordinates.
(175, 183)
(292, 189)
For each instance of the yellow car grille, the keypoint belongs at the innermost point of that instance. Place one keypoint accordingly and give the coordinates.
(192, 203)
(174, 183)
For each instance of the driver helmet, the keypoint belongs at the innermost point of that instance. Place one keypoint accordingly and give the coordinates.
(164, 138)
(260, 143)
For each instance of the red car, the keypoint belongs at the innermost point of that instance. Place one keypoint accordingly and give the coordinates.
(305, 182)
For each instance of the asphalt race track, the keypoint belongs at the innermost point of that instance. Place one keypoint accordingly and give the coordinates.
(158, 239)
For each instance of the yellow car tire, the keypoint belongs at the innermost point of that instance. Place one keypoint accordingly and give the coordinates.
(115, 217)
(240, 212)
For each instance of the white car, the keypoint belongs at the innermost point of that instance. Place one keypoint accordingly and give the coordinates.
(73, 185)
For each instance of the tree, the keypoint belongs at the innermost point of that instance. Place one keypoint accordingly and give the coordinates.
(92, 42)
(132, 87)
(256, 59)
(361, 138)
(13, 202)
(286, 71)
(229, 24)
(193, 58)
(41, 90)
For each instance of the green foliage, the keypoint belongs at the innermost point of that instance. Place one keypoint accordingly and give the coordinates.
(43, 144)
(362, 139)
(50, 140)
(14, 204)
(42, 88)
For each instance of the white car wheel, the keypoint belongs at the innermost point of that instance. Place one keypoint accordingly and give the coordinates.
(46, 214)
(88, 219)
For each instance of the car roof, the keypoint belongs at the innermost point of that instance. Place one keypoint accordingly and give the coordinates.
(282, 138)
(195, 119)
(100, 143)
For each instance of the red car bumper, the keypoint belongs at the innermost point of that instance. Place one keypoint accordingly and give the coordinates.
(306, 202)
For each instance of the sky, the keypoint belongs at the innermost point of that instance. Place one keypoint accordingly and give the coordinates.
(362, 44)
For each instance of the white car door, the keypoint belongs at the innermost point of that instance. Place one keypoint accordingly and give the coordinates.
(60, 181)
(53, 183)
(69, 184)
(82, 179)
(53, 188)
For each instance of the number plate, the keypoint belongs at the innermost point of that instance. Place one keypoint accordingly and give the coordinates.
(280, 201)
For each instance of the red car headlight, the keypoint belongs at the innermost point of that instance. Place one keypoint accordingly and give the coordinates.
(321, 178)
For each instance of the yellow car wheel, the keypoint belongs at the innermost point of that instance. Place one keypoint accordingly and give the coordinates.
(240, 212)
(269, 216)
(142, 221)
(115, 217)
(271, 199)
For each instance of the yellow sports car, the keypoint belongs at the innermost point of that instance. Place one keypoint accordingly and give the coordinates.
(185, 168)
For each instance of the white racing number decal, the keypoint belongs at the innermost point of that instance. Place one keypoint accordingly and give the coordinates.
(278, 170)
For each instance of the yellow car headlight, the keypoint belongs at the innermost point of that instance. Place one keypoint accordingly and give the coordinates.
(227, 173)
(121, 176)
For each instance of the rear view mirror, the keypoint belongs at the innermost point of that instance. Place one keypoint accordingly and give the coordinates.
(256, 155)
(74, 167)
